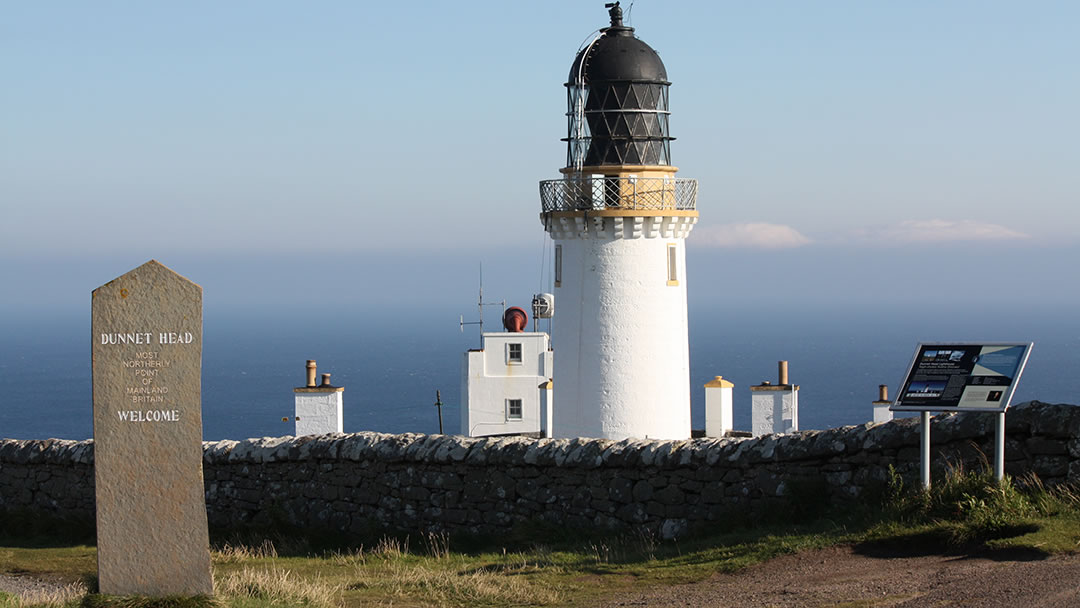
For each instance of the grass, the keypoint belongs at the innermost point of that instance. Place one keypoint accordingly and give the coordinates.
(969, 511)
(964, 513)
(273, 585)
(44, 560)
(67, 595)
(95, 600)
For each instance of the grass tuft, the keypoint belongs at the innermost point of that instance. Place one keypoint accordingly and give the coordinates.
(276, 587)
(390, 547)
(95, 600)
(437, 544)
(453, 587)
(231, 554)
(52, 598)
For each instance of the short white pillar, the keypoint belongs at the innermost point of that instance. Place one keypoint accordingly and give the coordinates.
(319, 408)
(774, 408)
(546, 390)
(882, 413)
(718, 411)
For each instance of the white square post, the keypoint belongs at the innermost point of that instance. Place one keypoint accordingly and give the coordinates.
(718, 408)
(546, 393)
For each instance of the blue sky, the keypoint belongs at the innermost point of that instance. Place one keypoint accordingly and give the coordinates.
(832, 141)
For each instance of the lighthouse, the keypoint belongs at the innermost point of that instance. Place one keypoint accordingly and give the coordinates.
(619, 219)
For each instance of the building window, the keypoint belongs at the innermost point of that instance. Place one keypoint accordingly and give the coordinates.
(672, 265)
(513, 409)
(558, 265)
(513, 352)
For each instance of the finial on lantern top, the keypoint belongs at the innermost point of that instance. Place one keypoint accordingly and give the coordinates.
(615, 12)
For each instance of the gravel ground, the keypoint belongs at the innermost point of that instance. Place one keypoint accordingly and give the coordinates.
(842, 576)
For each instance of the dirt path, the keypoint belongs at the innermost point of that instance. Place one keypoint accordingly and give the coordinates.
(843, 576)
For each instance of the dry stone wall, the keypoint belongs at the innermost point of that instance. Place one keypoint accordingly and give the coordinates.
(356, 481)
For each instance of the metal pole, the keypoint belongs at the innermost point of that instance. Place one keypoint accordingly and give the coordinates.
(924, 462)
(438, 404)
(999, 448)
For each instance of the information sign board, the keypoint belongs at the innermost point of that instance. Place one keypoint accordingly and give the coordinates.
(959, 377)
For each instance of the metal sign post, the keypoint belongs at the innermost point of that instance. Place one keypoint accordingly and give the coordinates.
(999, 448)
(924, 445)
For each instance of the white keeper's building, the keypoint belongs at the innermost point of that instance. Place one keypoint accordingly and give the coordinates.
(505, 388)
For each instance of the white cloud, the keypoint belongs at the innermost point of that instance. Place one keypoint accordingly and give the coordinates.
(923, 231)
(756, 235)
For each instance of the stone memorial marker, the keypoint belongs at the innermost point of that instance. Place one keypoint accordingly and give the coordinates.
(151, 510)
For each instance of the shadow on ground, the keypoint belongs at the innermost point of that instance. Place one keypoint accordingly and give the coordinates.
(938, 543)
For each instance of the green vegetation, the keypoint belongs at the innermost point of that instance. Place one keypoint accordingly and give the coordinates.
(95, 600)
(971, 512)
(538, 566)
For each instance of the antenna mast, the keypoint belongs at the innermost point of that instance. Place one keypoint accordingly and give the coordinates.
(480, 304)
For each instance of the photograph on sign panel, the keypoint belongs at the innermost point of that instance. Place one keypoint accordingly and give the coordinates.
(994, 370)
(925, 390)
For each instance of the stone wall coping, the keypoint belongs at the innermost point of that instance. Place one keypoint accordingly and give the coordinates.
(1036, 418)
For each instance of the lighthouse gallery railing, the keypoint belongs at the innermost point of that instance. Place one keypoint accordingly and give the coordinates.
(630, 193)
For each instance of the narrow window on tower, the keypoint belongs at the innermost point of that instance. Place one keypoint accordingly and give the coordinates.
(513, 409)
(558, 265)
(672, 265)
(597, 191)
(513, 353)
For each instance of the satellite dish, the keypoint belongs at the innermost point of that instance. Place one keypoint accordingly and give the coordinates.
(543, 305)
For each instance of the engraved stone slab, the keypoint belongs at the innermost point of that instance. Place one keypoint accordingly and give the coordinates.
(151, 511)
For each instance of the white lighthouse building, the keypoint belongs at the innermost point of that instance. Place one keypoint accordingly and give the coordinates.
(619, 219)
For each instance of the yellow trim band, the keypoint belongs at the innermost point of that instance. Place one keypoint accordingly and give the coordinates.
(622, 213)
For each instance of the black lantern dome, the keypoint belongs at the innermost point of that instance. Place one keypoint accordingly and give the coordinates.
(617, 101)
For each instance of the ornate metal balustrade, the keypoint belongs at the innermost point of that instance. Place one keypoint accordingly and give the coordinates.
(630, 193)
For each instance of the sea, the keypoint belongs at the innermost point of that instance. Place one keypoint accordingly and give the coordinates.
(392, 366)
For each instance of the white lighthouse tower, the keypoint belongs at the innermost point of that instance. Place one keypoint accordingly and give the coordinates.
(619, 219)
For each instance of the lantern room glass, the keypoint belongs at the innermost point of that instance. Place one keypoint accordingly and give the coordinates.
(618, 123)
